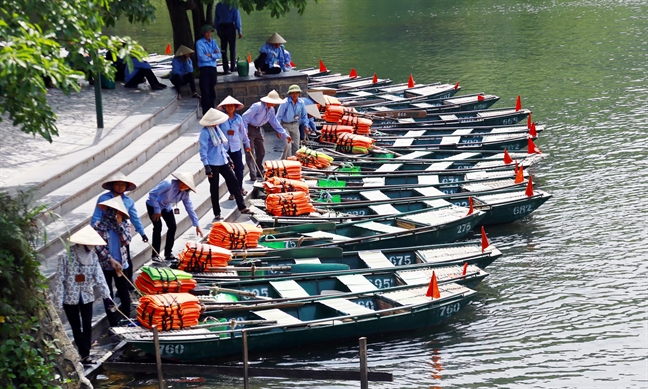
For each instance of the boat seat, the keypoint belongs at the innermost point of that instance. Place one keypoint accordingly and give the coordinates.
(374, 195)
(494, 112)
(439, 166)
(464, 156)
(428, 179)
(445, 254)
(325, 234)
(489, 164)
(449, 117)
(384, 209)
(437, 216)
(414, 155)
(307, 260)
(289, 289)
(450, 140)
(375, 259)
(357, 283)
(414, 133)
(402, 142)
(380, 109)
(437, 203)
(423, 105)
(361, 93)
(391, 97)
(347, 307)
(277, 315)
(407, 297)
(463, 131)
(379, 227)
(428, 191)
(374, 181)
(389, 167)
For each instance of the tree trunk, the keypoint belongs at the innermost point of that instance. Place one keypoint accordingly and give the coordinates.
(180, 24)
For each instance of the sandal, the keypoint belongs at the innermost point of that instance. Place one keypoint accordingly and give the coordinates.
(87, 361)
(179, 96)
(244, 192)
(231, 197)
(196, 96)
(245, 210)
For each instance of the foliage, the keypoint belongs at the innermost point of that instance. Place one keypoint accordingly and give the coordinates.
(277, 8)
(60, 40)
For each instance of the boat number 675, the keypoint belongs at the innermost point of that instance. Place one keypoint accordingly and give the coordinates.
(450, 309)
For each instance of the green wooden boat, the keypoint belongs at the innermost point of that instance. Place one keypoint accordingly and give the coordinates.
(424, 131)
(489, 117)
(421, 108)
(322, 321)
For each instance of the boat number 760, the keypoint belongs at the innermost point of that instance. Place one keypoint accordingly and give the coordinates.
(450, 309)
(172, 349)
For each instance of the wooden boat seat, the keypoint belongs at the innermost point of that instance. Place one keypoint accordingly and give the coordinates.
(414, 133)
(495, 112)
(502, 197)
(375, 259)
(381, 109)
(258, 203)
(450, 253)
(373, 181)
(327, 235)
(374, 195)
(436, 216)
(347, 307)
(489, 164)
(428, 179)
(281, 317)
(307, 260)
(391, 97)
(402, 142)
(439, 166)
(463, 156)
(449, 117)
(459, 100)
(357, 283)
(463, 131)
(437, 203)
(450, 140)
(426, 91)
(418, 277)
(289, 289)
(407, 297)
(361, 93)
(428, 191)
(414, 155)
(489, 185)
(384, 209)
(379, 227)
(486, 175)
(389, 167)
(423, 105)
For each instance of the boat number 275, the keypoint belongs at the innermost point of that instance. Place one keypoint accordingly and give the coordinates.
(450, 309)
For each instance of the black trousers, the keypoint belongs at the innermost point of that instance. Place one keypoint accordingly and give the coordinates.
(207, 81)
(139, 77)
(227, 35)
(80, 318)
(169, 220)
(122, 292)
(178, 81)
(237, 158)
(232, 187)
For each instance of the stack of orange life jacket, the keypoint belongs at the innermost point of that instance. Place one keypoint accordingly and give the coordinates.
(362, 126)
(169, 311)
(234, 235)
(331, 132)
(352, 143)
(281, 185)
(199, 257)
(313, 159)
(289, 204)
(157, 280)
(334, 113)
(282, 169)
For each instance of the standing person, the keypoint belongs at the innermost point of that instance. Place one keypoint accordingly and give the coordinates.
(235, 133)
(257, 115)
(227, 22)
(141, 70)
(271, 57)
(207, 52)
(313, 112)
(113, 227)
(182, 71)
(213, 154)
(292, 113)
(158, 206)
(77, 275)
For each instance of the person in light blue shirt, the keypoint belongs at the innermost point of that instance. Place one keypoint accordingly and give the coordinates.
(182, 71)
(271, 57)
(141, 70)
(213, 154)
(227, 21)
(292, 113)
(256, 116)
(287, 59)
(207, 52)
(159, 206)
(236, 134)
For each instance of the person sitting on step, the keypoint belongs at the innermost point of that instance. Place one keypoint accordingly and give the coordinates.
(271, 57)
(235, 132)
(182, 71)
(141, 70)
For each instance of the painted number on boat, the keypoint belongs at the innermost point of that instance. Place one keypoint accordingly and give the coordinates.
(513, 146)
(512, 120)
(366, 304)
(522, 209)
(172, 349)
(463, 228)
(461, 203)
(450, 309)
(260, 291)
(358, 213)
(400, 260)
(383, 283)
(445, 180)
(290, 244)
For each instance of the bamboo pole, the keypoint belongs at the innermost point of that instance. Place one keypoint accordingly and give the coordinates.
(364, 372)
(245, 361)
(158, 358)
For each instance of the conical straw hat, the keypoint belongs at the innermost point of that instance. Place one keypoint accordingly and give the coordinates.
(87, 236)
(313, 111)
(229, 100)
(187, 179)
(182, 50)
(276, 38)
(317, 97)
(117, 177)
(116, 203)
(213, 117)
(272, 98)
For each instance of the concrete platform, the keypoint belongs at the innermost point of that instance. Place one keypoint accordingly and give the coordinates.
(249, 89)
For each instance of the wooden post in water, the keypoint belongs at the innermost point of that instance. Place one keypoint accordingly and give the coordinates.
(364, 372)
(245, 361)
(158, 358)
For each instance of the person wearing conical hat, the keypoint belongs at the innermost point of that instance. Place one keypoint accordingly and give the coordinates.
(313, 113)
(227, 21)
(160, 203)
(213, 154)
(78, 275)
(254, 118)
(236, 134)
(271, 56)
(182, 71)
(113, 227)
(207, 52)
(292, 113)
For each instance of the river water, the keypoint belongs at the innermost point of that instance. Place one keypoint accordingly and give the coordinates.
(566, 306)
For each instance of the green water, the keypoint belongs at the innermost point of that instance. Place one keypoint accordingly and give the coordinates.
(566, 306)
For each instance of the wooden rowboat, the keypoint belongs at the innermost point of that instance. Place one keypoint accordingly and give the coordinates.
(489, 117)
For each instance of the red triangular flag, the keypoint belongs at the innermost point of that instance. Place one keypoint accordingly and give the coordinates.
(470, 206)
(507, 157)
(322, 67)
(353, 74)
(519, 175)
(516, 166)
(533, 131)
(375, 79)
(292, 64)
(518, 103)
(529, 189)
(410, 82)
(485, 242)
(480, 97)
(465, 269)
(532, 148)
(249, 58)
(457, 85)
(529, 121)
(168, 49)
(433, 288)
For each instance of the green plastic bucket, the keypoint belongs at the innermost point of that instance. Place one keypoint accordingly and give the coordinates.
(243, 68)
(328, 183)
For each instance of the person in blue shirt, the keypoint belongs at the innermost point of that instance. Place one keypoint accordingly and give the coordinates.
(207, 52)
(213, 154)
(292, 113)
(227, 21)
(313, 113)
(287, 58)
(141, 70)
(256, 116)
(271, 57)
(159, 206)
(236, 134)
(182, 71)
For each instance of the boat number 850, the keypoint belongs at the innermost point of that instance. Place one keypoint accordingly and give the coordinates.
(450, 309)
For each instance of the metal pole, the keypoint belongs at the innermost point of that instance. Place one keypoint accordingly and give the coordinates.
(245, 361)
(98, 103)
(158, 358)
(364, 372)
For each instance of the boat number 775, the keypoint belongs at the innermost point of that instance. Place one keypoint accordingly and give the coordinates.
(450, 309)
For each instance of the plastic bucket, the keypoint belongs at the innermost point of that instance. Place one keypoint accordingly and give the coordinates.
(243, 68)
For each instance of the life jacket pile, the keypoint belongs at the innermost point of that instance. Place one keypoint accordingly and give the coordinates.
(158, 280)
(199, 257)
(282, 185)
(289, 204)
(234, 235)
(362, 126)
(352, 143)
(313, 159)
(334, 113)
(330, 132)
(169, 311)
(282, 169)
